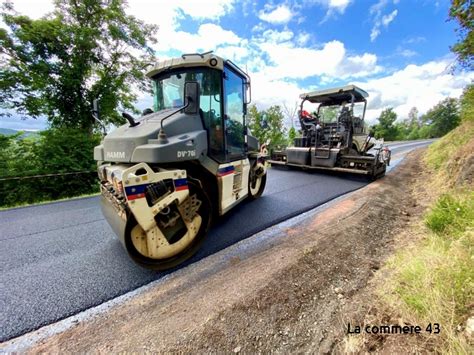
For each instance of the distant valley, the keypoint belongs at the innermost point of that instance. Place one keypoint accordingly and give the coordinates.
(9, 132)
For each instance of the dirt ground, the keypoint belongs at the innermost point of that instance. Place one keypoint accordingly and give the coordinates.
(297, 295)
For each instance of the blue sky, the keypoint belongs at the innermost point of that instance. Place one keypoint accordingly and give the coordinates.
(398, 50)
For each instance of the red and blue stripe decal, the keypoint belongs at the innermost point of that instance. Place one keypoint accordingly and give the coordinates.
(180, 184)
(226, 171)
(134, 192)
(138, 191)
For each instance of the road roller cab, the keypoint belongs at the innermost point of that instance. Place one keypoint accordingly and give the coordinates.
(166, 175)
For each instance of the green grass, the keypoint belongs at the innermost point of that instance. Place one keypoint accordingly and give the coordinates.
(441, 151)
(452, 214)
(433, 280)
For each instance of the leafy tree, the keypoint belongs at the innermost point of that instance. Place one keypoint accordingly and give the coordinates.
(425, 132)
(386, 127)
(274, 133)
(403, 129)
(291, 136)
(55, 66)
(412, 134)
(443, 117)
(462, 12)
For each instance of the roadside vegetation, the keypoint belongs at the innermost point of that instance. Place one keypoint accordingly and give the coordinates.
(432, 279)
(438, 121)
(66, 154)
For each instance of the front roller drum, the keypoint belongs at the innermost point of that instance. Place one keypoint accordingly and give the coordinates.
(177, 235)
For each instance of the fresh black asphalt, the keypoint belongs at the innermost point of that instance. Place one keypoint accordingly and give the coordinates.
(61, 258)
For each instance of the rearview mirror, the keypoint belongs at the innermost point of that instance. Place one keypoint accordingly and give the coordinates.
(191, 94)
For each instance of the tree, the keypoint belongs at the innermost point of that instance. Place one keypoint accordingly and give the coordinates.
(55, 66)
(443, 117)
(413, 118)
(403, 129)
(386, 128)
(292, 135)
(461, 11)
(291, 112)
(274, 133)
(409, 128)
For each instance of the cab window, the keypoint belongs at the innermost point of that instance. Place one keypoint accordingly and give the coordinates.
(234, 115)
(169, 94)
(210, 104)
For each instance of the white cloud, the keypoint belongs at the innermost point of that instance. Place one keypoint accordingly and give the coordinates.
(167, 15)
(198, 9)
(164, 11)
(374, 33)
(359, 66)
(381, 20)
(208, 37)
(259, 27)
(234, 53)
(303, 38)
(414, 40)
(277, 16)
(339, 5)
(273, 36)
(267, 92)
(249, 7)
(299, 63)
(422, 86)
(386, 19)
(333, 6)
(289, 61)
(407, 53)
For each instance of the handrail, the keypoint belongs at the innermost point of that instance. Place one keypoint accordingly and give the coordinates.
(193, 54)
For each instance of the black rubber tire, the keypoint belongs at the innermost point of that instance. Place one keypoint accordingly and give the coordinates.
(260, 190)
(205, 211)
(376, 176)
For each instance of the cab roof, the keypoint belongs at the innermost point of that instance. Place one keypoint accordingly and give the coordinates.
(336, 95)
(187, 60)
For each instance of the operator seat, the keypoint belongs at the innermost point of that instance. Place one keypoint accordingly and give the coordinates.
(310, 127)
(345, 116)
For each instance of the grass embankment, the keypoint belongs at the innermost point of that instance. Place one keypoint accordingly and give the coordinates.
(433, 278)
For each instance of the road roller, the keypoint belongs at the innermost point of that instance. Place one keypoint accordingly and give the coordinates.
(167, 175)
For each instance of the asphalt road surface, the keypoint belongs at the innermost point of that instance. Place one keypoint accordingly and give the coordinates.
(61, 258)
